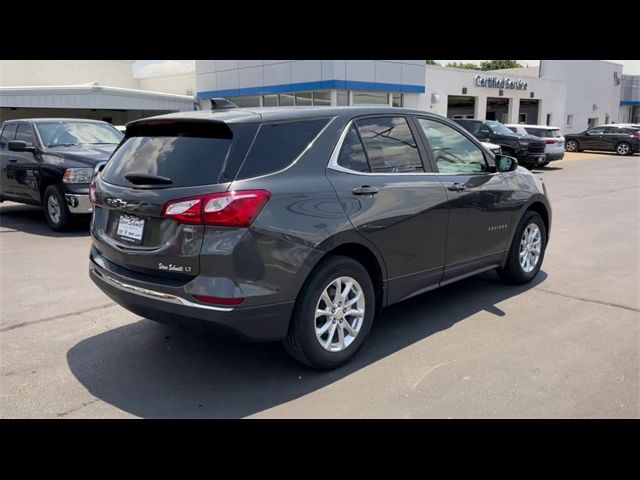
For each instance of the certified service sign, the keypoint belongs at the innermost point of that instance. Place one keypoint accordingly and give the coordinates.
(499, 82)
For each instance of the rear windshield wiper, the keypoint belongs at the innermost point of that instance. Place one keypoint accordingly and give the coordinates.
(147, 179)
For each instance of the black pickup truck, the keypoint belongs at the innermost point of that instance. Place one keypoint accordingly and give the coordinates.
(528, 149)
(49, 162)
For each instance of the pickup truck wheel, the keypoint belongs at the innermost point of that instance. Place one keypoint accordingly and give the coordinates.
(55, 209)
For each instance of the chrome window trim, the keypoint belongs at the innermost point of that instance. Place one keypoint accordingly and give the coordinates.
(333, 163)
(145, 292)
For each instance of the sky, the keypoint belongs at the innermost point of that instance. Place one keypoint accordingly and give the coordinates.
(150, 68)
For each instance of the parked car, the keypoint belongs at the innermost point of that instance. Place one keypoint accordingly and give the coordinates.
(622, 140)
(553, 139)
(49, 162)
(528, 149)
(635, 126)
(300, 224)
(492, 147)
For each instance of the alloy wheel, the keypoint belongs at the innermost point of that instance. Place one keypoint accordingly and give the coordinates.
(53, 207)
(339, 314)
(530, 247)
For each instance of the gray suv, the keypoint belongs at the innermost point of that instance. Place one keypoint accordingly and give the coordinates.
(301, 224)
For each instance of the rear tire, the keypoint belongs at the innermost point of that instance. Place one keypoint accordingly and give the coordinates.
(306, 341)
(55, 209)
(623, 148)
(530, 237)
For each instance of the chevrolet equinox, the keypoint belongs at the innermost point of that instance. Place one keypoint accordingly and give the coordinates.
(301, 224)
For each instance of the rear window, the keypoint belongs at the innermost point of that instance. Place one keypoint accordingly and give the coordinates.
(187, 161)
(277, 145)
(544, 132)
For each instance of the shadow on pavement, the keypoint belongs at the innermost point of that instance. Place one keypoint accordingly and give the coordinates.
(29, 219)
(151, 370)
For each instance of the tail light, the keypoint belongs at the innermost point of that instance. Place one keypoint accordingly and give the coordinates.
(635, 137)
(228, 209)
(92, 192)
(550, 142)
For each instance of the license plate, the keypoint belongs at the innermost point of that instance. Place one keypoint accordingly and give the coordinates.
(130, 228)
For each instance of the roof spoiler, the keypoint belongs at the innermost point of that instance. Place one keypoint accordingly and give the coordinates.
(222, 104)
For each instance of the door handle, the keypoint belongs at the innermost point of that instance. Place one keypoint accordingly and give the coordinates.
(13, 160)
(365, 190)
(456, 187)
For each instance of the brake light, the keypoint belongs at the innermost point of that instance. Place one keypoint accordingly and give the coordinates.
(219, 300)
(550, 142)
(635, 137)
(92, 192)
(228, 209)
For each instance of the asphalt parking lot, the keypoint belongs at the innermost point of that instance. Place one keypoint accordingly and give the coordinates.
(567, 345)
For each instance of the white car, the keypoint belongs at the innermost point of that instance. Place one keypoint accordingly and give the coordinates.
(554, 148)
(492, 147)
(121, 128)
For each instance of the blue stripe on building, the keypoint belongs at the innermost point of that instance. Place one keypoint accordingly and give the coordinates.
(320, 85)
(633, 103)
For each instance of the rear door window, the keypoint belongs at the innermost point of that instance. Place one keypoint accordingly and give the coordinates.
(389, 145)
(188, 155)
(8, 134)
(352, 154)
(278, 145)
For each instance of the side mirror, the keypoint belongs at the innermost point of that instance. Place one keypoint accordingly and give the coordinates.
(21, 146)
(505, 163)
(98, 168)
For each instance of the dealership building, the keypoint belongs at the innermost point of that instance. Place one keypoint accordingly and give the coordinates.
(96, 89)
(571, 94)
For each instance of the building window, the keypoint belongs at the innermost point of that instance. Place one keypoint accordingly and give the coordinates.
(303, 99)
(342, 97)
(270, 101)
(397, 100)
(249, 101)
(370, 98)
(548, 119)
(322, 98)
(522, 118)
(286, 100)
(569, 120)
(606, 119)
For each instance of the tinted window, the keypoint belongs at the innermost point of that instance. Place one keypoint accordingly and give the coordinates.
(497, 127)
(471, 127)
(453, 152)
(277, 145)
(25, 133)
(389, 144)
(55, 134)
(352, 154)
(187, 161)
(544, 132)
(617, 130)
(596, 131)
(513, 129)
(8, 134)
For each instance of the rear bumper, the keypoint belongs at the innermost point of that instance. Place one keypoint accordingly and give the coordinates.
(532, 158)
(267, 322)
(555, 156)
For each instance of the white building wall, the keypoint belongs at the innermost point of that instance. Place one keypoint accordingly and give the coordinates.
(444, 81)
(179, 84)
(591, 90)
(115, 73)
(231, 75)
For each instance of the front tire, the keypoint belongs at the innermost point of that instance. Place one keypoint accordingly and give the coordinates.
(55, 209)
(623, 148)
(527, 250)
(333, 314)
(571, 146)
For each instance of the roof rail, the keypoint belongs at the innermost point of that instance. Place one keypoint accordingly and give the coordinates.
(221, 104)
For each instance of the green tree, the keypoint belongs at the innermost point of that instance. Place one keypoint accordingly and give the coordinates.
(499, 64)
(470, 66)
(432, 62)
